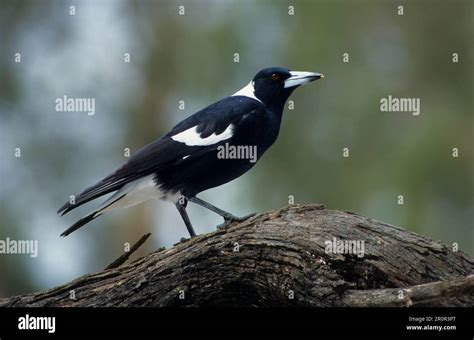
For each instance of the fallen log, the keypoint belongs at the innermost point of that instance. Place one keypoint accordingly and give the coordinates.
(300, 255)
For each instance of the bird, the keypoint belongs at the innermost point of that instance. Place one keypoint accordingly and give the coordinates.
(185, 161)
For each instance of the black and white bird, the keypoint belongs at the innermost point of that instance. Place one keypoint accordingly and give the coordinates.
(185, 162)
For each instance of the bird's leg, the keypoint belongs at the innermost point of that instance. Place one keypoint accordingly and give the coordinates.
(228, 217)
(184, 215)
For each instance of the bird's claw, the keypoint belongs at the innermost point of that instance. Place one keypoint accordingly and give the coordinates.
(228, 220)
(182, 240)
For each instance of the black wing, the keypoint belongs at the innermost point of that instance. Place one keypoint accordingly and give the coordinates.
(166, 152)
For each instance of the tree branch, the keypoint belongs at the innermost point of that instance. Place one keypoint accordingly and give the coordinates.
(301, 255)
(124, 257)
(433, 293)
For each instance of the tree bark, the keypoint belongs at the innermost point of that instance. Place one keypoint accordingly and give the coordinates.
(281, 258)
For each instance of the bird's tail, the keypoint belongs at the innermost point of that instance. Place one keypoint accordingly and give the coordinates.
(130, 194)
(96, 213)
(83, 221)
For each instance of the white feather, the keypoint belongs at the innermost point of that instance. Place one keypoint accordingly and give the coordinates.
(247, 91)
(135, 192)
(191, 137)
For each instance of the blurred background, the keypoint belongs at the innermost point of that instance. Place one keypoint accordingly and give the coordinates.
(191, 57)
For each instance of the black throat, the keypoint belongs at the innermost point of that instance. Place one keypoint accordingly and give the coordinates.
(276, 104)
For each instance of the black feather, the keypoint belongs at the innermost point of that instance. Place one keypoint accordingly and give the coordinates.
(78, 224)
(86, 219)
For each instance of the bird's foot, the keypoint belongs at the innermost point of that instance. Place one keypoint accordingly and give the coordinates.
(182, 240)
(229, 219)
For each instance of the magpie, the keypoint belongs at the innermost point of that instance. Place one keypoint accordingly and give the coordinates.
(185, 162)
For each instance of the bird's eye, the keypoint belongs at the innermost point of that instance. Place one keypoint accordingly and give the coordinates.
(275, 77)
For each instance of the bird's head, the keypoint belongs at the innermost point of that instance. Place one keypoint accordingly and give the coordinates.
(274, 85)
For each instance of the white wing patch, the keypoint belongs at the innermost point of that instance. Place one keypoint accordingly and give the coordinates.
(191, 137)
(247, 91)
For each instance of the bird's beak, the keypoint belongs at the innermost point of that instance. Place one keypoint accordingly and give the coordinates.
(300, 78)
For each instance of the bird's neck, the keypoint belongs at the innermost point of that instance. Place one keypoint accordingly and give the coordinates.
(276, 107)
(275, 110)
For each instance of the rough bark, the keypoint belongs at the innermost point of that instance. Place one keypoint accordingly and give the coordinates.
(279, 259)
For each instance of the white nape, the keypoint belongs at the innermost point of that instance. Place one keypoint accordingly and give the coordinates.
(191, 137)
(247, 91)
